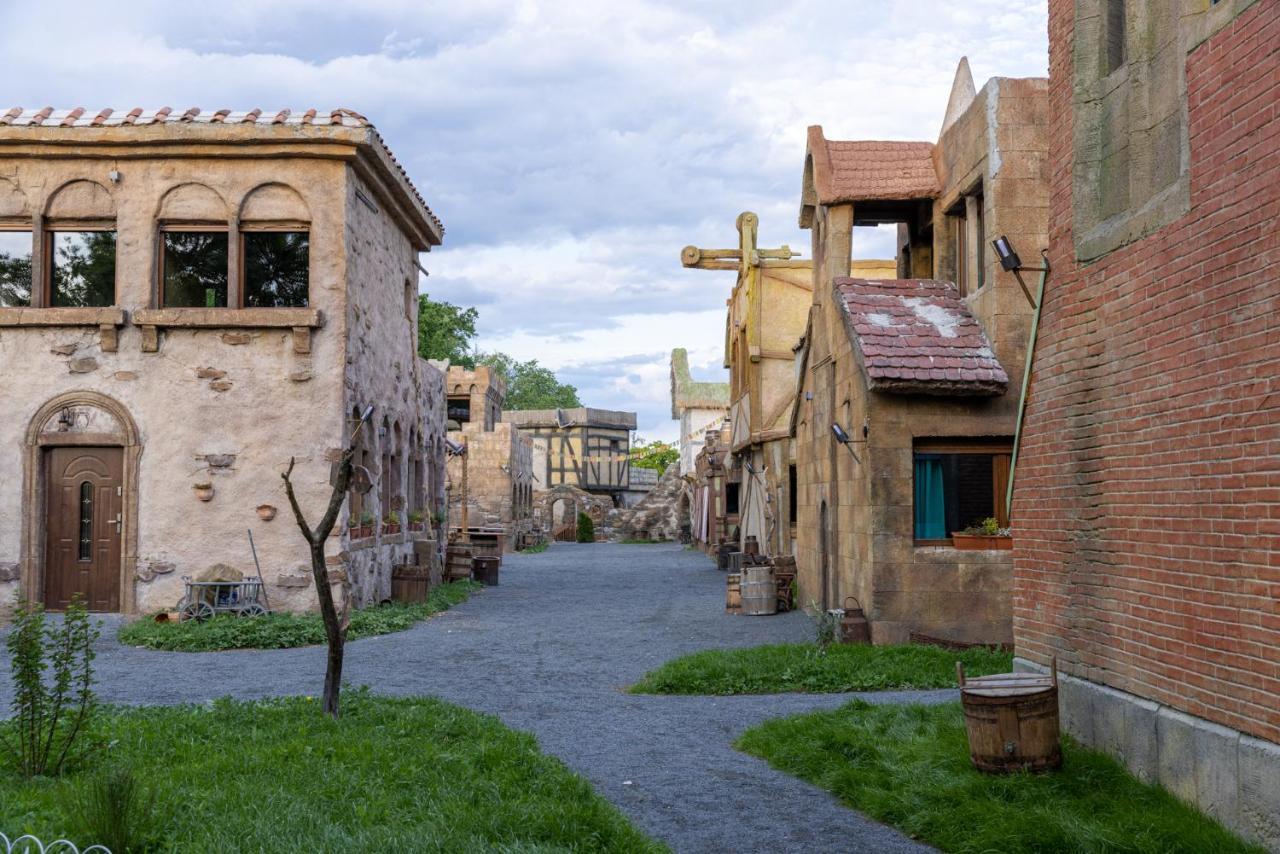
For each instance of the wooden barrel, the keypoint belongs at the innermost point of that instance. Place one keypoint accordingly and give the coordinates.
(485, 569)
(733, 591)
(759, 592)
(458, 561)
(1012, 721)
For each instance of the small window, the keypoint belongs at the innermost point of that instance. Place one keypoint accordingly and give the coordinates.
(1115, 34)
(960, 245)
(460, 409)
(979, 242)
(82, 268)
(86, 521)
(15, 269)
(195, 269)
(277, 269)
(958, 486)
(731, 499)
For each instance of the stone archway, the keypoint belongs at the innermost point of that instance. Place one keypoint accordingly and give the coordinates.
(78, 419)
(544, 503)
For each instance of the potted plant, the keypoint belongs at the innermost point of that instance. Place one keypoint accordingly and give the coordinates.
(988, 535)
(391, 523)
(362, 526)
(416, 522)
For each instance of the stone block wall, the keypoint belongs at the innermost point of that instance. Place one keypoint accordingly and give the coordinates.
(499, 479)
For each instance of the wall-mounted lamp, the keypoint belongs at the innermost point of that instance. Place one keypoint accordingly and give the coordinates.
(1011, 263)
(843, 438)
(114, 176)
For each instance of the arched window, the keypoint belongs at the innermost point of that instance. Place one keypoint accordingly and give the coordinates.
(384, 475)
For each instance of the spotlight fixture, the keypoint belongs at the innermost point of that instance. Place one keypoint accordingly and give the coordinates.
(1011, 263)
(843, 438)
(1009, 259)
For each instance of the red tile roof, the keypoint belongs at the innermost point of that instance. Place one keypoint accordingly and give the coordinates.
(916, 336)
(48, 117)
(870, 171)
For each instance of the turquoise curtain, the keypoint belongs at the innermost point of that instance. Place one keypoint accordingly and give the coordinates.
(931, 517)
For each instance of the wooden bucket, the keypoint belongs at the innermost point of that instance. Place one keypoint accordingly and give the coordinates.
(733, 592)
(758, 591)
(410, 584)
(484, 569)
(458, 561)
(1012, 721)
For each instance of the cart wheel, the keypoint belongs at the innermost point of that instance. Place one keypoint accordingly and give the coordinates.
(254, 610)
(198, 611)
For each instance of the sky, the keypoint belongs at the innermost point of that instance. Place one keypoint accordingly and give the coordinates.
(571, 148)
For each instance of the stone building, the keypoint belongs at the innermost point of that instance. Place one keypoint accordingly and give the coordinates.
(1147, 485)
(715, 505)
(585, 448)
(767, 311)
(475, 396)
(698, 406)
(904, 416)
(499, 458)
(188, 301)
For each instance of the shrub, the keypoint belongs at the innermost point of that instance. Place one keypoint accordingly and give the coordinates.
(586, 529)
(116, 810)
(53, 697)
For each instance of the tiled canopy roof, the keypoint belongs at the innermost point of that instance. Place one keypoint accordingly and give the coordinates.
(916, 336)
(48, 117)
(869, 171)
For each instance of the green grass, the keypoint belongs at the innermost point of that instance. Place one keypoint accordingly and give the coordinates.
(804, 668)
(406, 774)
(537, 548)
(908, 766)
(285, 630)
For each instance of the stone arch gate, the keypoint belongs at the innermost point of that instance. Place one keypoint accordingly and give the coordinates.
(595, 506)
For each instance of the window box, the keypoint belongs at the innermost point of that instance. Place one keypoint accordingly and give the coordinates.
(980, 542)
(300, 320)
(389, 528)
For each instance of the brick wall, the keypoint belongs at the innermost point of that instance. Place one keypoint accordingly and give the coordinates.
(1147, 506)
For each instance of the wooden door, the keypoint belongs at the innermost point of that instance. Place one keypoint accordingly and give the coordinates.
(82, 525)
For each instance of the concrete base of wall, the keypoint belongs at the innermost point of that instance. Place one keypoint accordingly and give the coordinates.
(1231, 776)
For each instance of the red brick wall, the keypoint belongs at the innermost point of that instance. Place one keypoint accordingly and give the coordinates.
(1147, 510)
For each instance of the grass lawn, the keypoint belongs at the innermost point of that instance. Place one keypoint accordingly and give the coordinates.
(804, 668)
(284, 630)
(908, 766)
(410, 774)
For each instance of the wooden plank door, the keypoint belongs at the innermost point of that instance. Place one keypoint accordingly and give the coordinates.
(82, 524)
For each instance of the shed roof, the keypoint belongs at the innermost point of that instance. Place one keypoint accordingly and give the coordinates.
(312, 122)
(917, 336)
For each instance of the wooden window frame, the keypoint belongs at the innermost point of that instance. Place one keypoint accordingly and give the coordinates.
(17, 227)
(44, 239)
(272, 227)
(233, 281)
(994, 447)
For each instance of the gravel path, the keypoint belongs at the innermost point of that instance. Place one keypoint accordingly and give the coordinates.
(551, 651)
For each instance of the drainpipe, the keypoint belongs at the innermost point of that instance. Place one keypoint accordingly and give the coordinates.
(1026, 381)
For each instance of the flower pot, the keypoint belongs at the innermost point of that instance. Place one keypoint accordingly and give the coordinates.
(266, 512)
(389, 528)
(980, 542)
(203, 491)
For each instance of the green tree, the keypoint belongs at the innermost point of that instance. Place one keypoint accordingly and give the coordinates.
(656, 455)
(445, 331)
(586, 529)
(529, 385)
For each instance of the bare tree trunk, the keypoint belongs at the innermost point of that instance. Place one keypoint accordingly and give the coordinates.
(335, 629)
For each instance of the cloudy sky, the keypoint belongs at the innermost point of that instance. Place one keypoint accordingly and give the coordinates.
(571, 148)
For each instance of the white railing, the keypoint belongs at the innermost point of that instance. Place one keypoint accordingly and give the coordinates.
(28, 844)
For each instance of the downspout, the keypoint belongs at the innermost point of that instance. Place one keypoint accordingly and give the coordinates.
(1026, 384)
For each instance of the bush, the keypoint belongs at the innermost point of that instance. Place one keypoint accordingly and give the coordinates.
(53, 699)
(586, 529)
(116, 810)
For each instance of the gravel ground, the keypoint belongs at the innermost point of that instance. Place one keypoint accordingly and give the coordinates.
(551, 651)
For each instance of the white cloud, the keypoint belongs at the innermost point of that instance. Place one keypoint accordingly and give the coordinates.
(571, 148)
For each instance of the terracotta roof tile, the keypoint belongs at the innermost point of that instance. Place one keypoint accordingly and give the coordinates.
(916, 336)
(853, 171)
(48, 117)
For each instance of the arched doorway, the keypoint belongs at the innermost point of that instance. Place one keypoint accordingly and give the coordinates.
(80, 474)
(564, 520)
